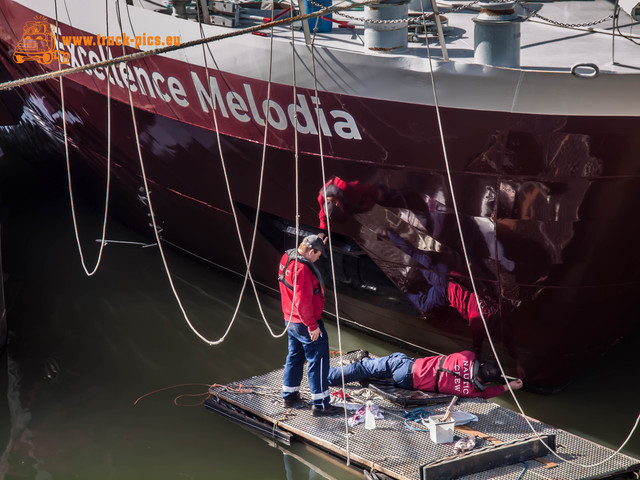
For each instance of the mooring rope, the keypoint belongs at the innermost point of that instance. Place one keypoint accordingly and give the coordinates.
(224, 170)
(153, 216)
(475, 290)
(149, 201)
(259, 201)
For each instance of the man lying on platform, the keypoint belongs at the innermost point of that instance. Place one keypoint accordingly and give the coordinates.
(456, 374)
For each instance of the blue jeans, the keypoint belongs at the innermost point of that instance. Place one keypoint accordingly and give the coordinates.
(317, 354)
(396, 366)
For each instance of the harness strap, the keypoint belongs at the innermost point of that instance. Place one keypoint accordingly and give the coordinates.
(440, 369)
(471, 380)
(291, 257)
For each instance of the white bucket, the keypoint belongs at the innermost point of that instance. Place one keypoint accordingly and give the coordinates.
(441, 432)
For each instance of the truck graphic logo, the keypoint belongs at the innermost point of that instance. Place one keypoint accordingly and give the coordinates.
(38, 44)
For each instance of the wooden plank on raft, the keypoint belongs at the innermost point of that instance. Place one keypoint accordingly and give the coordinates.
(495, 441)
(471, 432)
(487, 458)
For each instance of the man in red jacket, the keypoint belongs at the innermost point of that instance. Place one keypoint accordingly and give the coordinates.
(458, 374)
(302, 295)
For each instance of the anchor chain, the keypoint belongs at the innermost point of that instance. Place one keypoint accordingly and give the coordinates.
(534, 13)
(425, 16)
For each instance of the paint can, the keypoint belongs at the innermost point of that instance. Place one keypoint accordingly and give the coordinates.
(441, 432)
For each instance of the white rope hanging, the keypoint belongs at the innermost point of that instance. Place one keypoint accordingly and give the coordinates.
(68, 164)
(247, 260)
(153, 217)
(248, 276)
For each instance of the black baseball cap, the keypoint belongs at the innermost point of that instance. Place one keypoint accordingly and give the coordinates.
(315, 242)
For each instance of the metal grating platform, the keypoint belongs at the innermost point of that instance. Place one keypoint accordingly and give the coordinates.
(403, 453)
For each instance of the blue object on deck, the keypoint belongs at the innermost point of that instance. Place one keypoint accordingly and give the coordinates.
(324, 26)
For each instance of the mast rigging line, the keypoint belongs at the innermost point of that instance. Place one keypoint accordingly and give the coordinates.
(10, 85)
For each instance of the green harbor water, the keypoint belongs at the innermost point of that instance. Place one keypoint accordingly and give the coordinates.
(102, 377)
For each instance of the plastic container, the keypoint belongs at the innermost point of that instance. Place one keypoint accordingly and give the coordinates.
(324, 26)
(369, 417)
(441, 432)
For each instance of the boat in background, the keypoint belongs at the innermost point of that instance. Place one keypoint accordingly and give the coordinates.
(513, 122)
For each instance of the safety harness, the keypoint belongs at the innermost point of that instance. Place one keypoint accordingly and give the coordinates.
(292, 256)
(474, 370)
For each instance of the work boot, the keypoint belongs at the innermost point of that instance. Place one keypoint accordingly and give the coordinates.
(360, 355)
(293, 401)
(318, 411)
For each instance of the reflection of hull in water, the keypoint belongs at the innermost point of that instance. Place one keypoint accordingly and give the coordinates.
(4, 331)
(544, 195)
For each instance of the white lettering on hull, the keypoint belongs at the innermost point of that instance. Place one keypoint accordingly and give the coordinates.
(300, 114)
(306, 115)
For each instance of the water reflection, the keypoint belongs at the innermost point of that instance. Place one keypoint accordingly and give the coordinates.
(297, 468)
(344, 199)
(514, 266)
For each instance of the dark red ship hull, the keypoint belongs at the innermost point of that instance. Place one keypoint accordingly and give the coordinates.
(546, 202)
